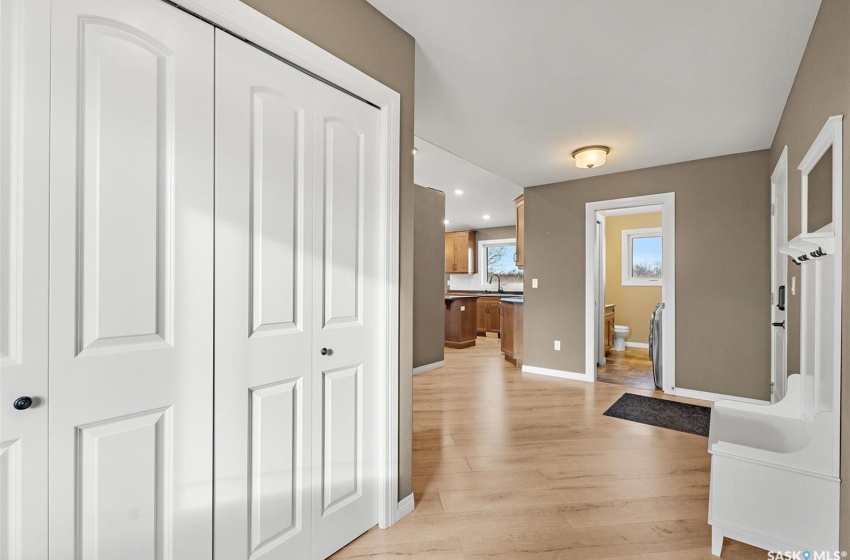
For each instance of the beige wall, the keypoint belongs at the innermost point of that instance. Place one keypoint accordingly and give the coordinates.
(722, 269)
(821, 89)
(429, 263)
(634, 303)
(359, 34)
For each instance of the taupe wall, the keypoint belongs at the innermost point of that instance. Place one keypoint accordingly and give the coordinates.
(821, 89)
(429, 263)
(503, 232)
(722, 269)
(359, 34)
(635, 304)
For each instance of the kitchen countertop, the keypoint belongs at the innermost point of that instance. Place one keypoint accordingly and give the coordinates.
(461, 296)
(484, 294)
(513, 300)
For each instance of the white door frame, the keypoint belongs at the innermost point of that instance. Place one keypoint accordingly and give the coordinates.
(242, 20)
(778, 178)
(667, 201)
(600, 267)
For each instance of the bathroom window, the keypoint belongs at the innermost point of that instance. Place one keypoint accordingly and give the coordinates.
(642, 257)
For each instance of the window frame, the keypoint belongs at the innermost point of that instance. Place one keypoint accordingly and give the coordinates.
(482, 264)
(628, 236)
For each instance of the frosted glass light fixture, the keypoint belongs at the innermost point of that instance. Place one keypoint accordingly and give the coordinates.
(591, 156)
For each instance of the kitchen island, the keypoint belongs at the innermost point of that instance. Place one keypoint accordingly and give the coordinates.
(461, 318)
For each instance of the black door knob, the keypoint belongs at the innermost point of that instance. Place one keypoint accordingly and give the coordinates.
(326, 351)
(22, 403)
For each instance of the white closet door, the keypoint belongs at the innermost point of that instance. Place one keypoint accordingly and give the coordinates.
(131, 255)
(347, 318)
(263, 323)
(24, 213)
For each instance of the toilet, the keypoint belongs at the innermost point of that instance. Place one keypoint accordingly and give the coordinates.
(620, 334)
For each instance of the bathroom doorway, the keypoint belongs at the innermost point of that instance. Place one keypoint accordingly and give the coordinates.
(630, 292)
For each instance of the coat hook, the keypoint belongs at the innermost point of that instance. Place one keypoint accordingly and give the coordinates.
(803, 257)
(794, 261)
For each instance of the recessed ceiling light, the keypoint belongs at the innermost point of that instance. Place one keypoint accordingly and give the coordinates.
(458, 192)
(415, 151)
(486, 216)
(446, 222)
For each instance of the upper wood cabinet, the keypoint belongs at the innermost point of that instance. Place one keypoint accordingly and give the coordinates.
(461, 252)
(519, 202)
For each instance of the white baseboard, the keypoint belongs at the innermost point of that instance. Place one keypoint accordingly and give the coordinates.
(637, 345)
(405, 506)
(428, 367)
(702, 395)
(557, 373)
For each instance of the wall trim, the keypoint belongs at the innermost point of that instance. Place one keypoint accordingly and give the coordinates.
(637, 345)
(557, 373)
(246, 22)
(713, 397)
(405, 507)
(428, 367)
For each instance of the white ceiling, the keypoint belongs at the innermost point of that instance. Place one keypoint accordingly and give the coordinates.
(514, 86)
(483, 192)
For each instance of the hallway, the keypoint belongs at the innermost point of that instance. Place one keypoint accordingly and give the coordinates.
(518, 466)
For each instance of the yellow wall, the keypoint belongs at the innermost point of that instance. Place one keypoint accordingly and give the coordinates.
(634, 303)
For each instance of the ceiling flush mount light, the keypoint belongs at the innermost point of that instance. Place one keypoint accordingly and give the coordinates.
(591, 156)
(486, 216)
(415, 151)
(458, 192)
(446, 222)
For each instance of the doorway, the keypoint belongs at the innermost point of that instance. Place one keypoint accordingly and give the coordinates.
(778, 276)
(631, 340)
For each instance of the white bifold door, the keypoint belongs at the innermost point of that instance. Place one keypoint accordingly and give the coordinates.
(296, 310)
(131, 283)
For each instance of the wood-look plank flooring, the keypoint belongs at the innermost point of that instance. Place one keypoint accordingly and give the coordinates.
(516, 466)
(632, 368)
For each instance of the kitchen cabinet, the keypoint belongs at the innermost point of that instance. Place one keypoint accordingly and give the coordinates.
(519, 203)
(460, 321)
(512, 322)
(489, 320)
(461, 252)
(610, 321)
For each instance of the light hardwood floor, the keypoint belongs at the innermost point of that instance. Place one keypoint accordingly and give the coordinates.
(518, 466)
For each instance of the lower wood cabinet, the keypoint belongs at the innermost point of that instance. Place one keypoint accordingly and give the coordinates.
(512, 338)
(489, 319)
(610, 321)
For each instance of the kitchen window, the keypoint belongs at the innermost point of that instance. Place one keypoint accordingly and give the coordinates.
(642, 257)
(498, 256)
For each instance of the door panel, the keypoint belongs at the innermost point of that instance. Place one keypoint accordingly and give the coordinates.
(263, 324)
(126, 477)
(276, 464)
(345, 388)
(343, 208)
(124, 188)
(131, 281)
(24, 226)
(343, 442)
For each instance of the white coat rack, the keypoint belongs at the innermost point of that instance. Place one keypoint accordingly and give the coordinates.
(775, 468)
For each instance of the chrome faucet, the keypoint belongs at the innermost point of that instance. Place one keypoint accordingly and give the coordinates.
(490, 281)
